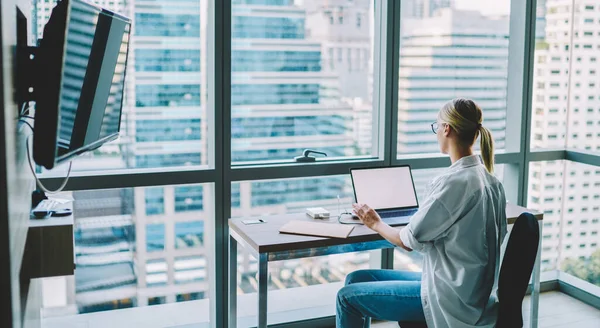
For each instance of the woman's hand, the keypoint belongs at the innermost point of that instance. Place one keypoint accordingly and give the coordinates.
(367, 216)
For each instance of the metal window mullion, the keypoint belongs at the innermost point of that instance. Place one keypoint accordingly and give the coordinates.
(546, 155)
(389, 28)
(393, 67)
(519, 93)
(128, 179)
(416, 162)
(583, 157)
(220, 102)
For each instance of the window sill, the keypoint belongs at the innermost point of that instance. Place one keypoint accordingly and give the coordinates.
(287, 305)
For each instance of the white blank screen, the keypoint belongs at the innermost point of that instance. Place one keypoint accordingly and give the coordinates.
(384, 188)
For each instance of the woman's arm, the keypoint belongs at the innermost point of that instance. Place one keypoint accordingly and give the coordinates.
(373, 221)
(391, 234)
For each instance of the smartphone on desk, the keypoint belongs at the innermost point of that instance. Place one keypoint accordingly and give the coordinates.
(254, 221)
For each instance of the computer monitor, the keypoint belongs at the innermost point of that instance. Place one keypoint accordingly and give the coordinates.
(81, 61)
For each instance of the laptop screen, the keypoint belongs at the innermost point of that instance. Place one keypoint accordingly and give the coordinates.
(385, 188)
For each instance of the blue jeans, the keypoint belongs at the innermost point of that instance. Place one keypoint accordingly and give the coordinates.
(380, 294)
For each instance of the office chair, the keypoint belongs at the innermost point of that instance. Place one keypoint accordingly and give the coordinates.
(517, 265)
(515, 271)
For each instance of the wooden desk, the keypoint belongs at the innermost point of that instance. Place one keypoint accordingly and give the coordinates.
(266, 244)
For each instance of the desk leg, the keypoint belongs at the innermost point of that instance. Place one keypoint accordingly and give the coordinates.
(263, 284)
(535, 291)
(232, 282)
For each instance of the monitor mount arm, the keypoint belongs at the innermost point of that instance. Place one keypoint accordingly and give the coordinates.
(27, 73)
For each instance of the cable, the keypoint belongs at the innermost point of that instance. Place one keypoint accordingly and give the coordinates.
(344, 213)
(342, 222)
(28, 124)
(37, 180)
(25, 116)
(23, 109)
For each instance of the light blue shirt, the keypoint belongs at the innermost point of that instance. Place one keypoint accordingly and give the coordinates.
(459, 229)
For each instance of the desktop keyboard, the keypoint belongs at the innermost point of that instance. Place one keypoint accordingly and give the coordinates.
(395, 214)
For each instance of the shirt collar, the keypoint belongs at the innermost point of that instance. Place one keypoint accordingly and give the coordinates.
(467, 161)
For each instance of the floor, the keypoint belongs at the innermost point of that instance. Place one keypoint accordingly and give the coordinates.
(557, 310)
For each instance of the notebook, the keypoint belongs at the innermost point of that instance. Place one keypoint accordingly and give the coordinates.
(319, 229)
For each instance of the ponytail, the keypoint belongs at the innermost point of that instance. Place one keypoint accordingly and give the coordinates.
(465, 117)
(486, 143)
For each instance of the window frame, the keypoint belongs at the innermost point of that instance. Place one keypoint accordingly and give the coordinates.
(222, 174)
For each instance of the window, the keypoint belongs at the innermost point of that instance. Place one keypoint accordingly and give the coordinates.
(282, 103)
(129, 236)
(424, 89)
(282, 196)
(349, 58)
(155, 237)
(165, 100)
(189, 234)
(189, 269)
(290, 90)
(157, 300)
(156, 273)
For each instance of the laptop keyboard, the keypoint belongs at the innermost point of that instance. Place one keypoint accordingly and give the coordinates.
(395, 214)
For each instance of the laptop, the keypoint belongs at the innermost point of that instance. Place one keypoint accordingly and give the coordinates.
(390, 191)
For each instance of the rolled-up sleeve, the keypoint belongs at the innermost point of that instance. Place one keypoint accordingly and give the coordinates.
(429, 223)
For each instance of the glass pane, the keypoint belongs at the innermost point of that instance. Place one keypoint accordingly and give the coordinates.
(565, 99)
(571, 216)
(128, 255)
(288, 91)
(551, 76)
(164, 121)
(190, 269)
(584, 97)
(155, 237)
(453, 49)
(294, 196)
(189, 234)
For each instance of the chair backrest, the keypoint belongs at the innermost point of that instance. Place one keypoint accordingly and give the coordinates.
(516, 268)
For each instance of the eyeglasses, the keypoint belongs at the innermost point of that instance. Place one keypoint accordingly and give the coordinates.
(435, 126)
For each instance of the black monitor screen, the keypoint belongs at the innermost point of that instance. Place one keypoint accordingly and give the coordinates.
(93, 50)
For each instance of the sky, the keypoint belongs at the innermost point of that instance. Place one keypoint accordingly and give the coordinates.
(486, 7)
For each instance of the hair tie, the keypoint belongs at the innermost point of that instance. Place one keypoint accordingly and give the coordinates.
(479, 126)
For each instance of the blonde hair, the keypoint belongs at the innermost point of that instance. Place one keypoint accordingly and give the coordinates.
(465, 117)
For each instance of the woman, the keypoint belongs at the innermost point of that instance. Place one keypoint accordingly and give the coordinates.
(459, 229)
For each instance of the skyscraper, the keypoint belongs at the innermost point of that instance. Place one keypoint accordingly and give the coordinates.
(423, 8)
(456, 53)
(566, 106)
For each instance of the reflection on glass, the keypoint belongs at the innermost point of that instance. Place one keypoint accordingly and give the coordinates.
(565, 98)
(189, 234)
(571, 215)
(134, 248)
(164, 117)
(455, 49)
(155, 237)
(294, 196)
(288, 93)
